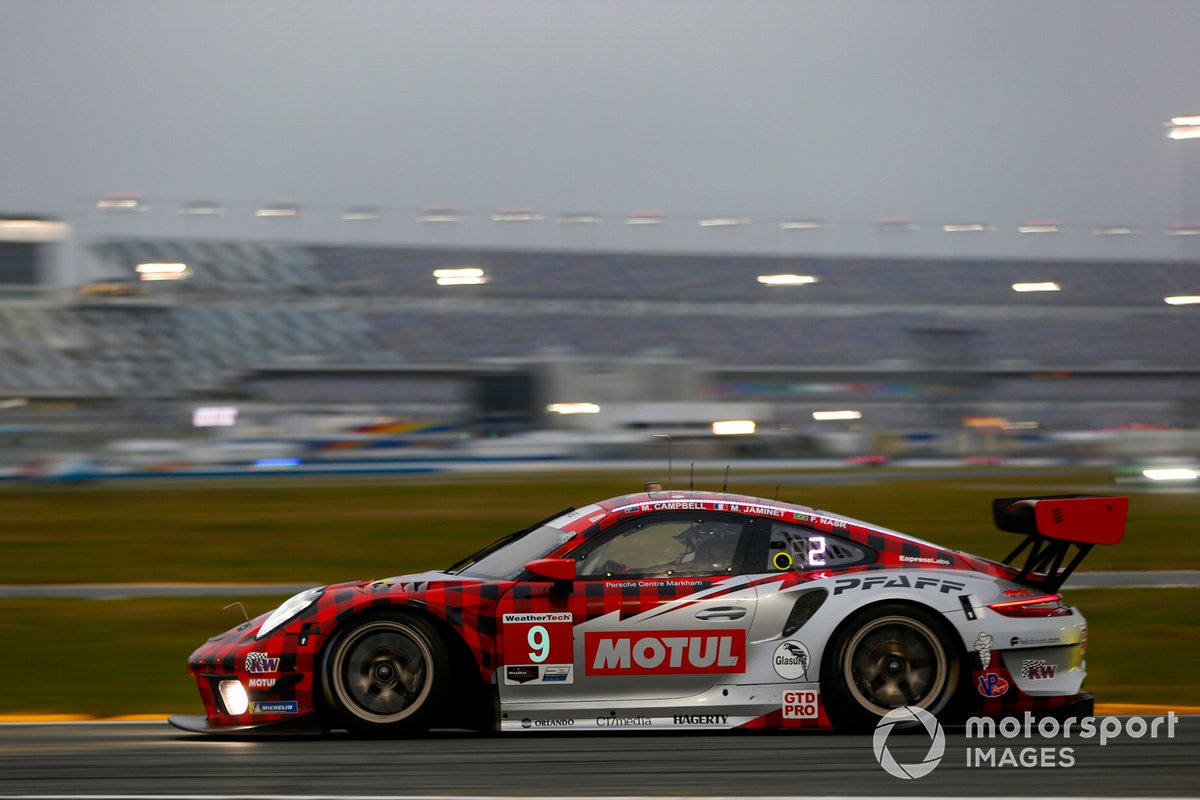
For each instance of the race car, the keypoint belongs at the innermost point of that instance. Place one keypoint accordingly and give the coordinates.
(676, 610)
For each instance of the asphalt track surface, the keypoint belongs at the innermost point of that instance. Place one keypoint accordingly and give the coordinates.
(132, 759)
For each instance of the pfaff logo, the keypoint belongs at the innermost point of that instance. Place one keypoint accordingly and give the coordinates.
(665, 652)
(897, 582)
(259, 663)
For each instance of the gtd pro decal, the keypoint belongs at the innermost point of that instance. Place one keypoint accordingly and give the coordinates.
(665, 652)
(896, 582)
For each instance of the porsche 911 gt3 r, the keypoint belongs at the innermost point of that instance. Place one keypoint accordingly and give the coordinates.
(676, 610)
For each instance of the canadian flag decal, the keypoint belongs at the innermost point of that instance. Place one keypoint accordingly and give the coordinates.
(664, 652)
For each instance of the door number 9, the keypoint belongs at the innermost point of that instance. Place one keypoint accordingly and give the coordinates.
(539, 643)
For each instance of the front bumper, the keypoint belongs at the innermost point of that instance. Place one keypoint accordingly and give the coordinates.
(276, 678)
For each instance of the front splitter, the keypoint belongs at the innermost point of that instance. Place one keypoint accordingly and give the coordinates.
(305, 725)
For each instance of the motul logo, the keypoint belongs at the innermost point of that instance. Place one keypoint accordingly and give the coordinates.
(665, 652)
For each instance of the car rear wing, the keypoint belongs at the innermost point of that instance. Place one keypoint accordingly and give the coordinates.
(1058, 529)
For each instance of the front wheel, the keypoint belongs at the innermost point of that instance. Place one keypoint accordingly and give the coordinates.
(888, 657)
(386, 676)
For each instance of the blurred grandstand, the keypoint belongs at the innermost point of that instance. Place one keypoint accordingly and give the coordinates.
(344, 352)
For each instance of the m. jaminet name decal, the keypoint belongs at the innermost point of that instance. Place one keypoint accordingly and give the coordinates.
(665, 652)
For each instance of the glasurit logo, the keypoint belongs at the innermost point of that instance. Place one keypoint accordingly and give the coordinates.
(665, 652)
(790, 660)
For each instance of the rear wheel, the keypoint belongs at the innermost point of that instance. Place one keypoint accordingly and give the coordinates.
(386, 676)
(888, 657)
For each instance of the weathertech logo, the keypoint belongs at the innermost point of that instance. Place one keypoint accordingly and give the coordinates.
(665, 652)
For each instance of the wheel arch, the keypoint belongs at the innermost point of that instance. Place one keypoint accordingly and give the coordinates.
(464, 664)
(947, 632)
(952, 631)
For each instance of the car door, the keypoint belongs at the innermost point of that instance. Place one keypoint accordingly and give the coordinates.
(659, 609)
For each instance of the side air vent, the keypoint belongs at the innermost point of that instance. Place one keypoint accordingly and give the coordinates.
(805, 606)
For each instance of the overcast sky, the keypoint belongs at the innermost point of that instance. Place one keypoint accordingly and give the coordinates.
(950, 110)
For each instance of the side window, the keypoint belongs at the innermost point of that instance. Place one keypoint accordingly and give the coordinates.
(663, 548)
(793, 547)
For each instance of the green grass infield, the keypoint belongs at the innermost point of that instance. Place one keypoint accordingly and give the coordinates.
(301, 532)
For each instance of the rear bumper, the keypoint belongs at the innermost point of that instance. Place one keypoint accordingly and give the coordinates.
(305, 725)
(1084, 705)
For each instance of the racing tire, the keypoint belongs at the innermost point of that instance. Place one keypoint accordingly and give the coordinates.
(887, 657)
(386, 675)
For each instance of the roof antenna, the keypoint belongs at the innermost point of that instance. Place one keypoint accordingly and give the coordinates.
(692, 477)
(777, 492)
(725, 485)
(667, 436)
(239, 605)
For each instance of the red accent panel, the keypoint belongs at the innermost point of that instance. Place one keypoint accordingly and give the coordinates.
(1087, 520)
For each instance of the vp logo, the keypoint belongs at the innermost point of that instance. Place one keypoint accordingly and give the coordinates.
(907, 717)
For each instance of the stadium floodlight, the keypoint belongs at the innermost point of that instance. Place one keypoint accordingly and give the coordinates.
(440, 214)
(723, 222)
(840, 414)
(460, 276)
(361, 214)
(804, 224)
(646, 218)
(734, 427)
(1183, 230)
(162, 271)
(214, 417)
(1042, 226)
(578, 219)
(121, 202)
(1182, 300)
(515, 215)
(200, 208)
(1115, 230)
(1044, 286)
(967, 227)
(1171, 474)
(32, 229)
(278, 210)
(1183, 128)
(787, 280)
(895, 224)
(573, 408)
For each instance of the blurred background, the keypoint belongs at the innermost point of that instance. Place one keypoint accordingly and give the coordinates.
(427, 243)
(301, 234)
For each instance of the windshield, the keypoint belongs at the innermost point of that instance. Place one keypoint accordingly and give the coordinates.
(508, 560)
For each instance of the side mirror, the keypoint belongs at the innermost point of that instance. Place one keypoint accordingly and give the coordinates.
(559, 570)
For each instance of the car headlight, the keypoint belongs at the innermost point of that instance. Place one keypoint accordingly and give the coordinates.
(288, 609)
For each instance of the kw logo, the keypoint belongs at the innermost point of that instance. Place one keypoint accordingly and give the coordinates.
(1038, 669)
(259, 663)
